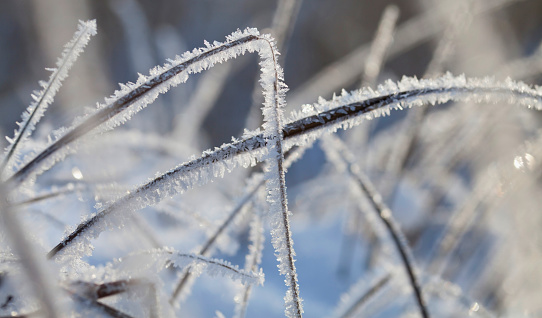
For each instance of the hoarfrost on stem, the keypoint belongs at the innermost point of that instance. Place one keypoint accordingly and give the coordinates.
(43, 98)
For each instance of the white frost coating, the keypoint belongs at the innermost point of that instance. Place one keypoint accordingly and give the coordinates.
(43, 98)
(158, 259)
(411, 91)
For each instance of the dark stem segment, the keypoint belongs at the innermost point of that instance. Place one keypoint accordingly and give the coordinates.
(97, 291)
(385, 215)
(46, 196)
(291, 130)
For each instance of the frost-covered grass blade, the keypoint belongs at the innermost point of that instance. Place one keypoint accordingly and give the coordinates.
(43, 98)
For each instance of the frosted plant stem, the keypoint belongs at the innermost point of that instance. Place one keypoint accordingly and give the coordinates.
(400, 242)
(36, 199)
(276, 181)
(385, 215)
(54, 193)
(43, 98)
(347, 114)
(167, 257)
(33, 265)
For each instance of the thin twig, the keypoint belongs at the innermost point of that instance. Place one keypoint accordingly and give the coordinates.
(385, 215)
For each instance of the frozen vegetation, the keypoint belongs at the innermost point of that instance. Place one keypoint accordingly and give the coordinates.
(120, 213)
